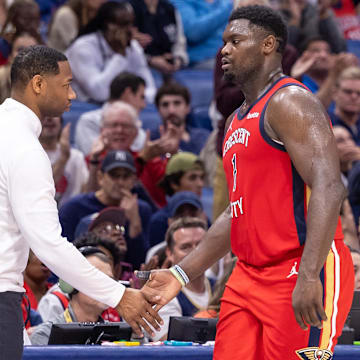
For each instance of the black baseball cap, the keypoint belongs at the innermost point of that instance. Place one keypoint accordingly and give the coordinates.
(118, 159)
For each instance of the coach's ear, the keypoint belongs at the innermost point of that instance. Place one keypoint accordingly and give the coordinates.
(269, 44)
(38, 84)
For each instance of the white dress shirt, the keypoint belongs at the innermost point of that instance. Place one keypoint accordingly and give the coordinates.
(29, 216)
(94, 65)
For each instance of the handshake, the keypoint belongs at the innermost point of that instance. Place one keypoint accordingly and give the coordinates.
(139, 308)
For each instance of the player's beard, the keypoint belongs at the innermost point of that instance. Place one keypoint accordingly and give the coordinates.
(230, 77)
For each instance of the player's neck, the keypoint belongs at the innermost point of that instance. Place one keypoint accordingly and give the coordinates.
(256, 87)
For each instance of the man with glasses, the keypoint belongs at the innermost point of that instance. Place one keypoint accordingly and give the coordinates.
(116, 177)
(120, 126)
(347, 102)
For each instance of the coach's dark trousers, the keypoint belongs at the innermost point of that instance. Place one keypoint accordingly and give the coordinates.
(11, 326)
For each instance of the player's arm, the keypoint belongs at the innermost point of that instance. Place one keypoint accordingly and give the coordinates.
(296, 117)
(214, 246)
(216, 243)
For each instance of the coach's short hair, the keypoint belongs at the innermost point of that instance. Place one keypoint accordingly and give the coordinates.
(35, 60)
(266, 18)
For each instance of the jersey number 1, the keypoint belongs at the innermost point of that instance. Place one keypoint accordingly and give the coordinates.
(233, 161)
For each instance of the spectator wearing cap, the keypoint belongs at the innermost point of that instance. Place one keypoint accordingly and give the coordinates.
(183, 203)
(117, 177)
(111, 224)
(55, 301)
(184, 172)
(120, 125)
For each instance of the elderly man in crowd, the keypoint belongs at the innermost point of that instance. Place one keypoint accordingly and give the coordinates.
(125, 87)
(119, 128)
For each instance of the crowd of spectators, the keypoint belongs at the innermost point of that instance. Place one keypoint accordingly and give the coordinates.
(130, 195)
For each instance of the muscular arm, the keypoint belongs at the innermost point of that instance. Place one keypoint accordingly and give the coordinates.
(297, 119)
(216, 243)
(214, 246)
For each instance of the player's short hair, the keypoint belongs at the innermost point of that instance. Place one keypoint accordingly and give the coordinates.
(122, 81)
(35, 60)
(267, 19)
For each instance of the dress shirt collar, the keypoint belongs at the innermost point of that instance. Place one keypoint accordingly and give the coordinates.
(31, 119)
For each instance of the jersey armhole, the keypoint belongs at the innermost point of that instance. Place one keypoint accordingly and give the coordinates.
(274, 143)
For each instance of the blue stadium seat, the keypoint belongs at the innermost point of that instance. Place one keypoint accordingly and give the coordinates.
(150, 118)
(354, 47)
(201, 87)
(207, 201)
(199, 117)
(200, 83)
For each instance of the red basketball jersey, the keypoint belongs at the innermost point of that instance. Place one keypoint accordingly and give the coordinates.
(268, 198)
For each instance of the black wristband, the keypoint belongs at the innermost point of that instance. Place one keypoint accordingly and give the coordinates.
(94, 162)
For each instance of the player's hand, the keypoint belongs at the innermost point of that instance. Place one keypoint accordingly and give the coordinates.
(162, 283)
(134, 307)
(307, 302)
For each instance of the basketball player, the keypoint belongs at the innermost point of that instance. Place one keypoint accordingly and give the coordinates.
(292, 287)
